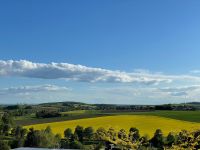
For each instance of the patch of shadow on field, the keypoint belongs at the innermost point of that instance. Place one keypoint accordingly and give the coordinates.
(58, 119)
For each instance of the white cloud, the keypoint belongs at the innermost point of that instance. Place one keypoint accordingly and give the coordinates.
(25, 90)
(148, 95)
(184, 91)
(168, 90)
(121, 94)
(24, 68)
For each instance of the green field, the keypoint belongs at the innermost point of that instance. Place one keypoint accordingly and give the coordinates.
(145, 123)
(192, 116)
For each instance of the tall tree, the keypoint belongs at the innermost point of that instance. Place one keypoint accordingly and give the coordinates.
(170, 139)
(6, 123)
(79, 132)
(88, 133)
(122, 134)
(134, 134)
(157, 140)
(68, 133)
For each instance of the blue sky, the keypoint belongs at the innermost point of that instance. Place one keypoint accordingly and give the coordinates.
(147, 51)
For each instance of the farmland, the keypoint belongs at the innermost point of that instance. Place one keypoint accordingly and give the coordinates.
(147, 124)
(191, 116)
(90, 124)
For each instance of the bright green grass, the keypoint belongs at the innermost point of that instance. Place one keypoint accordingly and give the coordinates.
(192, 116)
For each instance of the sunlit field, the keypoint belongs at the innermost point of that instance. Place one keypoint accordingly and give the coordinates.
(146, 124)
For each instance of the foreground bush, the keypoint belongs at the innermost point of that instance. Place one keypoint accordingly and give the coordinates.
(4, 145)
(42, 138)
(88, 138)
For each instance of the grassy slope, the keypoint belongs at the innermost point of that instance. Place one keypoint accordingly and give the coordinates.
(192, 116)
(145, 123)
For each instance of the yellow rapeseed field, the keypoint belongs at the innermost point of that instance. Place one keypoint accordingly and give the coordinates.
(146, 124)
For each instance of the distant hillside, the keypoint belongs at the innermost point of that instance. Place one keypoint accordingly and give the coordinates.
(194, 103)
(20, 109)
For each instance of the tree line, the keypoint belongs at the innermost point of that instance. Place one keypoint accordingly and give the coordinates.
(54, 109)
(87, 138)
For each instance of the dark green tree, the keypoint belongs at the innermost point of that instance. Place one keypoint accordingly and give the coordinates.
(68, 133)
(18, 134)
(157, 140)
(170, 139)
(42, 138)
(4, 145)
(112, 134)
(64, 144)
(79, 132)
(122, 134)
(6, 124)
(144, 141)
(31, 140)
(15, 143)
(76, 145)
(134, 134)
(101, 134)
(48, 130)
(7, 118)
(88, 133)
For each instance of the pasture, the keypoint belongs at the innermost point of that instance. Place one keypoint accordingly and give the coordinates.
(192, 116)
(147, 124)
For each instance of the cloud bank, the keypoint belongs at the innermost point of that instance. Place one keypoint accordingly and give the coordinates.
(144, 87)
(32, 89)
(24, 68)
(182, 91)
